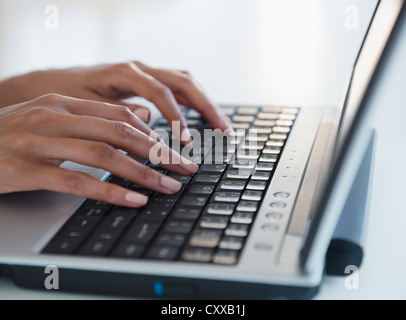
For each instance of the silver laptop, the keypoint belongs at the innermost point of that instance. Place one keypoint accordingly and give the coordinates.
(255, 224)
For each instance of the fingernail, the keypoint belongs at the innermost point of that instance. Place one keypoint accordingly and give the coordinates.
(186, 135)
(136, 198)
(170, 184)
(143, 114)
(188, 165)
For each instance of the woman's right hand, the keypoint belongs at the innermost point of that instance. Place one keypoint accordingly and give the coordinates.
(38, 135)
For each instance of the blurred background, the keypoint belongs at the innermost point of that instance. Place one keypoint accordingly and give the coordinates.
(286, 52)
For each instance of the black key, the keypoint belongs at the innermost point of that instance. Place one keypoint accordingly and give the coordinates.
(237, 230)
(188, 213)
(96, 247)
(63, 245)
(242, 217)
(213, 222)
(116, 221)
(264, 166)
(156, 213)
(180, 178)
(83, 222)
(215, 168)
(166, 200)
(128, 250)
(97, 204)
(91, 212)
(179, 227)
(233, 243)
(162, 253)
(200, 189)
(141, 232)
(194, 201)
(119, 181)
(226, 257)
(141, 190)
(206, 178)
(175, 240)
(237, 174)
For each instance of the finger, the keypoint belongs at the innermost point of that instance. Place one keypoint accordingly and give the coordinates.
(141, 112)
(183, 84)
(153, 90)
(82, 107)
(101, 155)
(80, 184)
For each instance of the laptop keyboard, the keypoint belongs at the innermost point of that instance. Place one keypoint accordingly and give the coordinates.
(209, 219)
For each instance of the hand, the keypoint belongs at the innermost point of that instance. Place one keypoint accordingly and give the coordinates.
(38, 135)
(112, 83)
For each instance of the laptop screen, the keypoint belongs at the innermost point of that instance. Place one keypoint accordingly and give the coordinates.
(351, 131)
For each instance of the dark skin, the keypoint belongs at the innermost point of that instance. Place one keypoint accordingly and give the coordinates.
(47, 117)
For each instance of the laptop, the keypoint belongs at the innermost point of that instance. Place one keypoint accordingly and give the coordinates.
(255, 223)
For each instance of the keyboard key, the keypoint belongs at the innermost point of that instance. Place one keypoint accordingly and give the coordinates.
(257, 137)
(213, 222)
(238, 174)
(206, 178)
(226, 257)
(97, 204)
(284, 123)
(118, 181)
(243, 164)
(200, 189)
(259, 130)
(278, 136)
(116, 221)
(205, 238)
(190, 213)
(162, 253)
(226, 196)
(92, 212)
(178, 227)
(241, 118)
(248, 110)
(154, 213)
(268, 158)
(281, 130)
(197, 254)
(243, 126)
(232, 185)
(141, 232)
(83, 222)
(180, 178)
(215, 168)
(247, 206)
(254, 145)
(248, 154)
(268, 116)
(63, 245)
(237, 230)
(264, 166)
(252, 195)
(271, 109)
(220, 208)
(275, 143)
(264, 123)
(261, 175)
(96, 247)
(233, 243)
(194, 201)
(128, 250)
(256, 185)
(290, 110)
(228, 111)
(175, 240)
(271, 150)
(286, 116)
(242, 217)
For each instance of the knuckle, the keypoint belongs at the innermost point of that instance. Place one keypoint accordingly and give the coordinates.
(125, 113)
(102, 152)
(146, 173)
(162, 90)
(123, 130)
(74, 182)
(124, 66)
(52, 98)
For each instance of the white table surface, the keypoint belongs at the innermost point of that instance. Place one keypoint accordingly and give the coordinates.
(289, 52)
